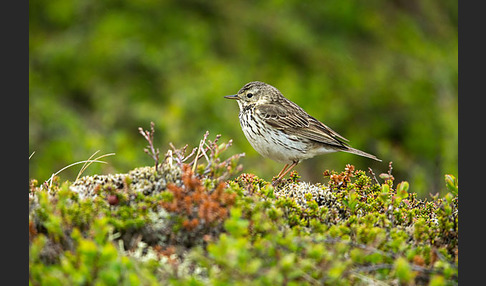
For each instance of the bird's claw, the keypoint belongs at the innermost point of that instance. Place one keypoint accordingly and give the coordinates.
(276, 182)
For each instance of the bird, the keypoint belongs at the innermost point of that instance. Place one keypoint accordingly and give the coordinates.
(280, 130)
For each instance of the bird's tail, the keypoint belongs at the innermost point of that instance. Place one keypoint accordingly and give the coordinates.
(361, 153)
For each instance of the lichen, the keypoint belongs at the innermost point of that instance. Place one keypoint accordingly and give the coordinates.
(143, 180)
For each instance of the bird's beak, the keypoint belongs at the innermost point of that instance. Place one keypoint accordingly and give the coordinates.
(233, 96)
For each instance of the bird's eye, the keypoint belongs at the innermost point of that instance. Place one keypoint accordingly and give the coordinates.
(249, 95)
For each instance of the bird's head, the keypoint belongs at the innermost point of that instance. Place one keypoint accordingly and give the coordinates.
(255, 92)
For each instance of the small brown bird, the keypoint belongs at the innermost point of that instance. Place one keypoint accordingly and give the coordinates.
(281, 130)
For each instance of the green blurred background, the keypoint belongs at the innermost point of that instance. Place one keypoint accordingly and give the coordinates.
(383, 74)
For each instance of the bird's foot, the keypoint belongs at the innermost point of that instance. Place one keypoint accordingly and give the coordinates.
(276, 182)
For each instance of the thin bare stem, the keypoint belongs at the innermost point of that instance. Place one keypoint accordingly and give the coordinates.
(210, 150)
(151, 150)
(190, 155)
(201, 143)
(374, 176)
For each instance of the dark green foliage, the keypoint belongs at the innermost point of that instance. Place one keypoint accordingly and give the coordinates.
(381, 73)
(179, 227)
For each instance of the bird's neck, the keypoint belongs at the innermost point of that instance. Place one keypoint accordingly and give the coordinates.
(247, 107)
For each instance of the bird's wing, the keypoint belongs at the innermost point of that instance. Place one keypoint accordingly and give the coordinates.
(281, 117)
(291, 118)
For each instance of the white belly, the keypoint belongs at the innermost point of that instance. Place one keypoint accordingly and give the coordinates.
(279, 146)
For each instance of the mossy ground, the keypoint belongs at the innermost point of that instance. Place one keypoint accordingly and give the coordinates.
(189, 224)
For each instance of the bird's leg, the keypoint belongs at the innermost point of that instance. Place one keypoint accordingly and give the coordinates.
(288, 170)
(284, 172)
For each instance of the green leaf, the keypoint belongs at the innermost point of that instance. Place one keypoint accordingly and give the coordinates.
(402, 189)
(451, 184)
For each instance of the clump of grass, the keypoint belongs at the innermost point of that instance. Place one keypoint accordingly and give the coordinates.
(86, 163)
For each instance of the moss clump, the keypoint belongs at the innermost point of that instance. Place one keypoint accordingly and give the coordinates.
(349, 231)
(186, 223)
